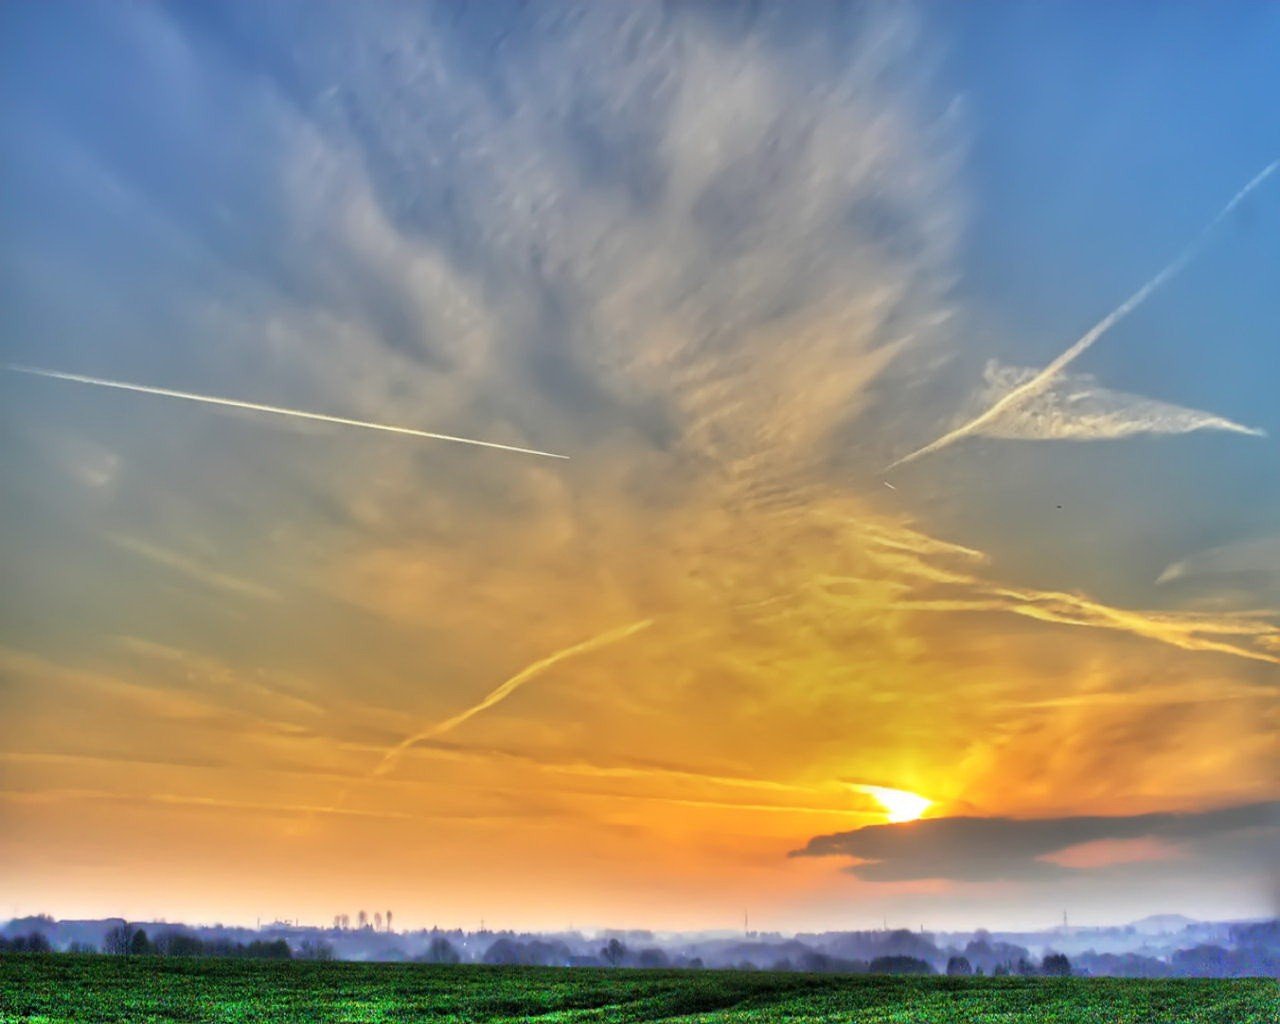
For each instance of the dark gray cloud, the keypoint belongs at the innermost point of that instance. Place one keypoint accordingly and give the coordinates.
(991, 849)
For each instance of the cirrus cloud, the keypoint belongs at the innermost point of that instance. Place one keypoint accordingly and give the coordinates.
(1075, 407)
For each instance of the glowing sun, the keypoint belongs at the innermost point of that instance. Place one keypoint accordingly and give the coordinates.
(899, 804)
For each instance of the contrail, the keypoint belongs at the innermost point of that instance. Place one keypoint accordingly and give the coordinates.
(275, 410)
(1041, 381)
(498, 695)
(508, 688)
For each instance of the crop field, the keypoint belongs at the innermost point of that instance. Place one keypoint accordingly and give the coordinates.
(99, 989)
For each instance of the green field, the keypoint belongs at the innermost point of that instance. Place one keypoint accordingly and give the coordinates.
(88, 989)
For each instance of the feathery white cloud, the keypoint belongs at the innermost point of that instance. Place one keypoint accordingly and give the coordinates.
(1075, 407)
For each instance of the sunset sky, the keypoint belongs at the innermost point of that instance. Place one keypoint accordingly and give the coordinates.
(734, 264)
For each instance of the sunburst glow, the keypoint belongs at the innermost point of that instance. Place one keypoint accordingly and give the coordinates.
(899, 804)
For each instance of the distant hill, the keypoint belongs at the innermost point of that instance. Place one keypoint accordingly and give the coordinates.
(1163, 924)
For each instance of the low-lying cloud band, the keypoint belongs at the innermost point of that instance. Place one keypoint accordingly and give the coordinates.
(990, 849)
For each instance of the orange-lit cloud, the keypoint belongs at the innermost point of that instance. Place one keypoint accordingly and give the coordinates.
(1103, 853)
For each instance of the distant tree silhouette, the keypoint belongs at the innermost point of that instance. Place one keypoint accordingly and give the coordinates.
(32, 942)
(259, 949)
(117, 940)
(362, 920)
(504, 951)
(959, 966)
(652, 957)
(899, 965)
(613, 953)
(315, 949)
(377, 920)
(178, 943)
(440, 951)
(1055, 965)
(139, 944)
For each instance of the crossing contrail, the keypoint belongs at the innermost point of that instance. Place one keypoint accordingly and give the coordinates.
(1044, 378)
(275, 410)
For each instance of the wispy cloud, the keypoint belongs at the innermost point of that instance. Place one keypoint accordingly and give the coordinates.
(1252, 567)
(1074, 407)
(193, 569)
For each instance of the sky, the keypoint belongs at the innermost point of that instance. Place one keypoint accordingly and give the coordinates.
(738, 265)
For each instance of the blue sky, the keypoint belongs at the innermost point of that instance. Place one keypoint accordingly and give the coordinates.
(733, 263)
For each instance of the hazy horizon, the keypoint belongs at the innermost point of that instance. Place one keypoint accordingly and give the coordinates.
(912, 553)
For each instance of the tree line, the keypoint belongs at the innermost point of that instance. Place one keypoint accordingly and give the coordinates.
(129, 940)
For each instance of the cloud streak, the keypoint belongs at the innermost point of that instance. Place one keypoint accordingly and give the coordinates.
(1073, 407)
(1255, 562)
(501, 693)
(274, 410)
(1041, 381)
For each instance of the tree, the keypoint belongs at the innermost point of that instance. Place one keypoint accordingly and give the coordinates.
(613, 953)
(653, 957)
(388, 920)
(260, 949)
(899, 965)
(139, 944)
(1056, 965)
(506, 951)
(32, 942)
(377, 920)
(315, 949)
(440, 951)
(116, 941)
(959, 966)
(362, 920)
(177, 943)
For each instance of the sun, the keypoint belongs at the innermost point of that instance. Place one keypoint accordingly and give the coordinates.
(899, 804)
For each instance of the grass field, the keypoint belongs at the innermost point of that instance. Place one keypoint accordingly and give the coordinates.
(93, 989)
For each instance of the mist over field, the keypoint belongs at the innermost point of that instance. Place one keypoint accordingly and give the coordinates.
(1162, 946)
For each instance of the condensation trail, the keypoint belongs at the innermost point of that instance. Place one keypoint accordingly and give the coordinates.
(508, 688)
(498, 695)
(1044, 378)
(274, 410)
